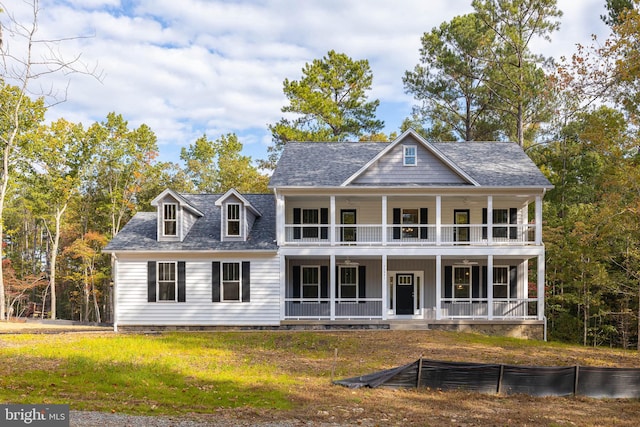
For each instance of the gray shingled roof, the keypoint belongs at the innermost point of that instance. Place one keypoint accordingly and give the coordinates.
(329, 164)
(140, 233)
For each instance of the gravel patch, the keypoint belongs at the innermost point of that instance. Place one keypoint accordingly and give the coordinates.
(106, 419)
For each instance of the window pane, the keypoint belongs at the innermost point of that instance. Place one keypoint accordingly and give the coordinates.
(348, 275)
(167, 291)
(233, 228)
(461, 291)
(310, 291)
(231, 291)
(170, 211)
(310, 216)
(233, 212)
(500, 216)
(231, 271)
(310, 275)
(348, 291)
(166, 271)
(500, 291)
(169, 228)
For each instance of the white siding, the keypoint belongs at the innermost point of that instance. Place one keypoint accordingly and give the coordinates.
(263, 309)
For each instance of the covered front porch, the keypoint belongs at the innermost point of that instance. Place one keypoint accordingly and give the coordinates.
(420, 288)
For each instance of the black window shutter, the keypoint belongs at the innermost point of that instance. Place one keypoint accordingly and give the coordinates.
(215, 281)
(182, 286)
(324, 219)
(513, 219)
(246, 281)
(424, 220)
(151, 281)
(396, 220)
(362, 281)
(513, 281)
(484, 282)
(324, 281)
(296, 281)
(337, 281)
(297, 219)
(448, 281)
(484, 221)
(475, 282)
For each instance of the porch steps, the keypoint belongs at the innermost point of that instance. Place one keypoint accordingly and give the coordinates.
(407, 325)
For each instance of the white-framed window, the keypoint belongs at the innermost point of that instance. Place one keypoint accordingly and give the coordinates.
(409, 155)
(348, 277)
(310, 282)
(501, 282)
(233, 219)
(167, 281)
(170, 219)
(461, 282)
(231, 282)
(310, 216)
(410, 221)
(500, 216)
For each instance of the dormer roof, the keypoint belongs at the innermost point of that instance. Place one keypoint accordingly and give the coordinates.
(233, 193)
(182, 201)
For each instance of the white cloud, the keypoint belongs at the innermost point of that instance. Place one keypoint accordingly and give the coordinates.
(193, 66)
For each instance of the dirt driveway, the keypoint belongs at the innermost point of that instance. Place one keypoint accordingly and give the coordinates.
(45, 326)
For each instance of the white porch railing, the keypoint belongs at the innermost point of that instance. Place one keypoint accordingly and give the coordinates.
(423, 235)
(371, 308)
(362, 308)
(524, 308)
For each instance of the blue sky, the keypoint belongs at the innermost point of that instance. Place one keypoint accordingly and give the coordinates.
(190, 67)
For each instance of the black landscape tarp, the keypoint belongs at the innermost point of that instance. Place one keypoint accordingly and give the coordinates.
(506, 379)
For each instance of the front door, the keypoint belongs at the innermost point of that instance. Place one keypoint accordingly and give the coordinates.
(348, 217)
(405, 294)
(461, 216)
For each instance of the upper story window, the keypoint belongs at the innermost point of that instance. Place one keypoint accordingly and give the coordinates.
(170, 219)
(310, 216)
(233, 220)
(409, 155)
(500, 216)
(410, 219)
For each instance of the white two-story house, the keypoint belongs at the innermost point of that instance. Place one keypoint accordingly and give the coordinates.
(411, 233)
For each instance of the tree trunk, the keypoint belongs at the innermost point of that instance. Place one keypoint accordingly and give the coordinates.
(54, 257)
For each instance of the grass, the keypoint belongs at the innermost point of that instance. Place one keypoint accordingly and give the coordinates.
(273, 376)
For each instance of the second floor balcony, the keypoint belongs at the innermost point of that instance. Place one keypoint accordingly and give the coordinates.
(409, 221)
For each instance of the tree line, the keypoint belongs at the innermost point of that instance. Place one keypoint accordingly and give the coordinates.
(66, 189)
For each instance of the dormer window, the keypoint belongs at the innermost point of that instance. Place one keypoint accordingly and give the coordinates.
(409, 155)
(170, 220)
(233, 219)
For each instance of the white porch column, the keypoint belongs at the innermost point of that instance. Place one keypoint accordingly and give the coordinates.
(280, 220)
(283, 286)
(490, 285)
(332, 287)
(385, 289)
(384, 223)
(438, 287)
(438, 222)
(489, 220)
(332, 220)
(541, 281)
(538, 220)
